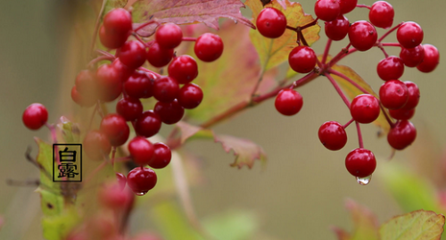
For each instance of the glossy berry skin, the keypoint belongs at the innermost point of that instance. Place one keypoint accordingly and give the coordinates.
(115, 128)
(169, 113)
(337, 29)
(402, 135)
(108, 82)
(430, 60)
(393, 94)
(208, 47)
(327, 10)
(129, 108)
(82, 100)
(332, 135)
(302, 59)
(139, 85)
(362, 35)
(114, 197)
(412, 57)
(96, 145)
(183, 69)
(122, 180)
(360, 162)
(390, 68)
(288, 102)
(271, 23)
(347, 5)
(118, 21)
(86, 82)
(190, 96)
(157, 56)
(132, 54)
(148, 124)
(110, 40)
(409, 35)
(402, 114)
(141, 180)
(35, 116)
(123, 71)
(165, 89)
(381, 14)
(169, 35)
(161, 157)
(365, 108)
(414, 95)
(141, 150)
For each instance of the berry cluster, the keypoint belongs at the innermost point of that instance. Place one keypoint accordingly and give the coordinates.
(125, 76)
(397, 97)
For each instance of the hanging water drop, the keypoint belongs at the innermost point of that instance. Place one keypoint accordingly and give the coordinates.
(363, 180)
(140, 193)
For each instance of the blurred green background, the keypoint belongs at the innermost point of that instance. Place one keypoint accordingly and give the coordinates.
(302, 190)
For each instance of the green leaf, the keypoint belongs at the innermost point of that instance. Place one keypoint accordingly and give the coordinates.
(417, 225)
(187, 12)
(273, 52)
(232, 78)
(70, 131)
(45, 159)
(111, 4)
(57, 227)
(351, 91)
(234, 225)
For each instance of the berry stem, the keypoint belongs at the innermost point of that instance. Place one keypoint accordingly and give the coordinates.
(149, 71)
(91, 64)
(339, 74)
(96, 27)
(348, 123)
(358, 129)
(190, 39)
(104, 53)
(291, 28)
(343, 53)
(52, 131)
(326, 50)
(391, 44)
(312, 23)
(95, 171)
(113, 156)
(363, 6)
(388, 32)
(338, 89)
(383, 50)
(140, 39)
(385, 115)
(144, 25)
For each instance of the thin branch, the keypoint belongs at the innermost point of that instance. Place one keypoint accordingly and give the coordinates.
(348, 123)
(326, 50)
(338, 90)
(388, 32)
(339, 74)
(358, 129)
(96, 28)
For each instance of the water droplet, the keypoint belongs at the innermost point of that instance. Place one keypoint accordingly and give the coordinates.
(364, 180)
(140, 193)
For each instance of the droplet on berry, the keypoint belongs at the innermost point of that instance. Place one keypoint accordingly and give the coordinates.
(141, 180)
(360, 162)
(363, 180)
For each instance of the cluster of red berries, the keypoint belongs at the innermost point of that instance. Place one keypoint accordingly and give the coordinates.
(400, 98)
(126, 76)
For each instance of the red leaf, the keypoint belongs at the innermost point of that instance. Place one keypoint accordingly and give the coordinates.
(187, 12)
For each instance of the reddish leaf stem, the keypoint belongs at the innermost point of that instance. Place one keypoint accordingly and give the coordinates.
(326, 50)
(358, 129)
(388, 32)
(343, 53)
(338, 89)
(144, 25)
(140, 39)
(383, 50)
(348, 123)
(363, 6)
(310, 24)
(149, 71)
(52, 131)
(190, 39)
(391, 44)
(95, 171)
(291, 28)
(339, 74)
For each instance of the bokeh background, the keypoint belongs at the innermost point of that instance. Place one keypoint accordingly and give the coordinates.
(302, 190)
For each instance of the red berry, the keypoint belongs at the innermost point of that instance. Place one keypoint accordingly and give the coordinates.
(148, 124)
(190, 96)
(114, 197)
(110, 40)
(288, 102)
(184, 69)
(393, 94)
(141, 150)
(115, 128)
(302, 59)
(157, 56)
(147, 236)
(208, 47)
(365, 108)
(409, 35)
(271, 22)
(161, 157)
(96, 145)
(389, 68)
(412, 56)
(129, 108)
(118, 21)
(337, 29)
(347, 5)
(108, 82)
(139, 85)
(414, 95)
(362, 35)
(430, 60)
(35, 116)
(132, 54)
(141, 180)
(170, 112)
(86, 83)
(122, 180)
(332, 135)
(381, 14)
(124, 71)
(402, 114)
(402, 135)
(169, 35)
(80, 99)
(165, 89)
(360, 162)
(327, 10)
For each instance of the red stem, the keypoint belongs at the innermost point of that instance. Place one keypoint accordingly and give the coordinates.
(338, 89)
(363, 6)
(150, 71)
(327, 49)
(388, 32)
(144, 25)
(391, 44)
(348, 80)
(358, 129)
(348, 123)
(190, 39)
(385, 115)
(140, 39)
